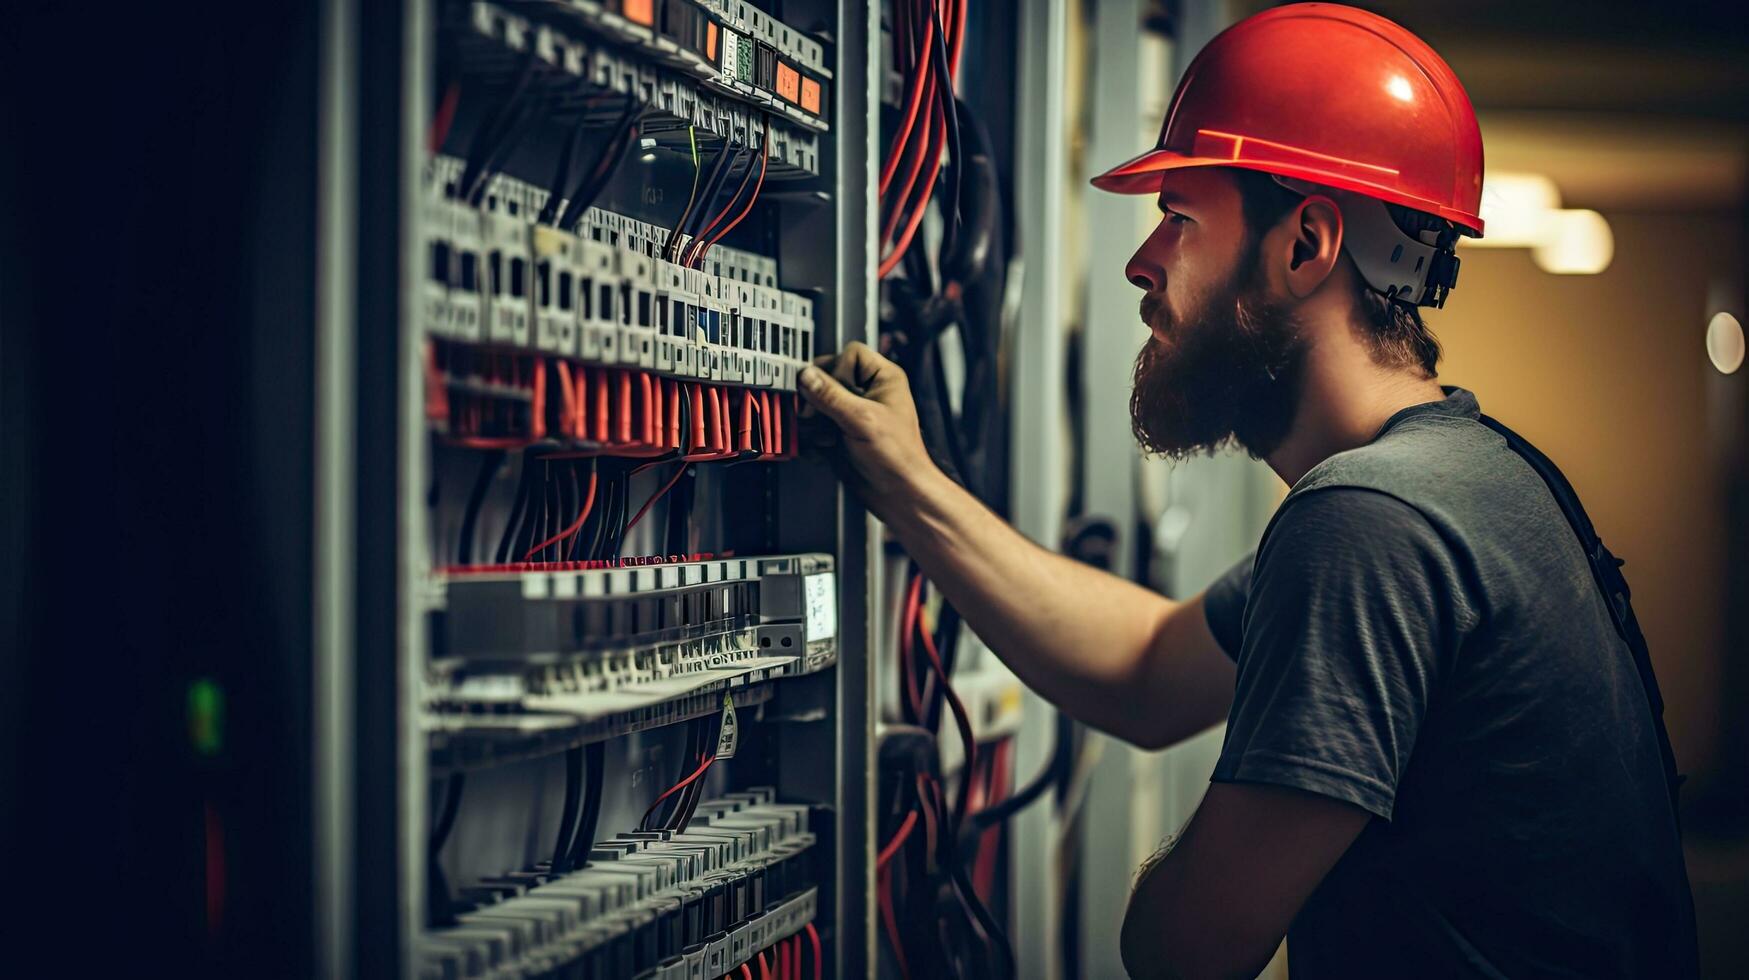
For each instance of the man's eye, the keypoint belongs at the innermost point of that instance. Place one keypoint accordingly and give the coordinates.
(1173, 216)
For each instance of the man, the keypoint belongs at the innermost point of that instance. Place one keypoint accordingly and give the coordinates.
(1439, 759)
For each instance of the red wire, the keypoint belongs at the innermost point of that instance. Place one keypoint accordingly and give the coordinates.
(902, 141)
(897, 842)
(984, 867)
(746, 973)
(904, 242)
(915, 160)
(907, 629)
(764, 967)
(764, 159)
(890, 922)
(692, 248)
(961, 719)
(819, 959)
(653, 498)
(959, 36)
(783, 967)
(670, 791)
(444, 118)
(588, 504)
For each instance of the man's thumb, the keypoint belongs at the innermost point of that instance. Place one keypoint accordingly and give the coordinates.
(824, 392)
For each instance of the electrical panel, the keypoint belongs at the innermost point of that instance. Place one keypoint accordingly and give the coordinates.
(632, 761)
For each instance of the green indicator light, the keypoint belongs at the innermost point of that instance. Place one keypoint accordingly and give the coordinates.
(206, 716)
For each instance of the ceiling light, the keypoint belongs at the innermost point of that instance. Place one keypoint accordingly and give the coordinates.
(1575, 242)
(1724, 342)
(1515, 208)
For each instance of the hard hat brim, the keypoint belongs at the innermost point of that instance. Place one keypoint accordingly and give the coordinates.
(1141, 175)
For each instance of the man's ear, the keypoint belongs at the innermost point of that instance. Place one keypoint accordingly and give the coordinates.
(1316, 245)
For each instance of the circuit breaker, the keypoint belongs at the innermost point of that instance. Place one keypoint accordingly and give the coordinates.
(635, 761)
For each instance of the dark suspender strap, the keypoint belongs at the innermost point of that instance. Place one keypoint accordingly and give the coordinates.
(1606, 571)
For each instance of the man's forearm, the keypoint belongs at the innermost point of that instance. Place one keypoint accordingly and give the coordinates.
(1083, 638)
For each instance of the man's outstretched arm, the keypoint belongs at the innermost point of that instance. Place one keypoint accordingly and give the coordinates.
(1110, 653)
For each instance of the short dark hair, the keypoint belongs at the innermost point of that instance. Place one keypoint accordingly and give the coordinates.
(1397, 334)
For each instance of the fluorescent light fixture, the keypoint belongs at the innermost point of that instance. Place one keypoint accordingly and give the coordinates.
(1515, 208)
(1724, 342)
(1523, 210)
(1575, 243)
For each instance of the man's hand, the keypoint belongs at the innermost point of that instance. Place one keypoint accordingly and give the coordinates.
(869, 399)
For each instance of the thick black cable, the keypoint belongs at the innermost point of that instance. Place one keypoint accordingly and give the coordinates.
(949, 202)
(1062, 755)
(568, 816)
(445, 822)
(518, 506)
(697, 787)
(489, 463)
(595, 758)
(527, 116)
(534, 518)
(439, 903)
(562, 173)
(625, 131)
(488, 132)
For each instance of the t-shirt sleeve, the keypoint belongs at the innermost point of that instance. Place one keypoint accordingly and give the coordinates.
(1356, 605)
(1223, 604)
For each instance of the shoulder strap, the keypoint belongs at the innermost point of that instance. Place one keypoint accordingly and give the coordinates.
(1606, 571)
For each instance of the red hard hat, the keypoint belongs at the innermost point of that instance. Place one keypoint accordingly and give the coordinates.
(1329, 94)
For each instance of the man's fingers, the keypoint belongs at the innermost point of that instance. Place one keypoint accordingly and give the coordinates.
(830, 397)
(860, 368)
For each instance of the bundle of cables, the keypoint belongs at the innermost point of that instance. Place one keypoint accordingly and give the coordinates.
(530, 100)
(683, 796)
(693, 235)
(951, 290)
(928, 36)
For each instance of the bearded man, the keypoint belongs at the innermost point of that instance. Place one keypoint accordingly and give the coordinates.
(1441, 758)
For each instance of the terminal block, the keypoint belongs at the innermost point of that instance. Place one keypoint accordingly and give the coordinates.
(607, 294)
(594, 645)
(668, 905)
(707, 98)
(729, 45)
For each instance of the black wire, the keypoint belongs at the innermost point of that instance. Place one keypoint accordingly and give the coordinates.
(489, 463)
(562, 174)
(677, 801)
(517, 509)
(1062, 755)
(595, 756)
(452, 802)
(490, 128)
(950, 424)
(697, 786)
(625, 131)
(533, 519)
(568, 816)
(706, 202)
(529, 115)
(439, 903)
(947, 631)
(950, 202)
(575, 548)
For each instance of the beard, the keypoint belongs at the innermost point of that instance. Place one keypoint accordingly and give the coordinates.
(1229, 372)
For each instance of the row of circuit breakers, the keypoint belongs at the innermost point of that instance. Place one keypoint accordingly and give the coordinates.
(605, 295)
(729, 45)
(609, 650)
(738, 883)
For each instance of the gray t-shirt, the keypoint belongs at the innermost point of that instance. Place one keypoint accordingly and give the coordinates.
(1419, 635)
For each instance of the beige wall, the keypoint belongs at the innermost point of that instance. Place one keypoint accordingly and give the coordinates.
(1607, 374)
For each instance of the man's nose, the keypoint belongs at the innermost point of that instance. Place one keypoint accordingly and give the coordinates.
(1145, 273)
